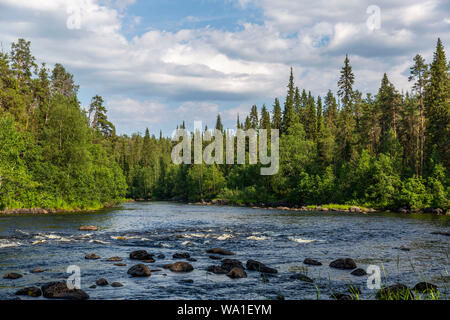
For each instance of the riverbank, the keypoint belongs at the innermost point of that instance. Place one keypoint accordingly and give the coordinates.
(325, 207)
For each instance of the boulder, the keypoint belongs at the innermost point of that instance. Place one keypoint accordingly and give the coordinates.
(312, 262)
(181, 267)
(220, 251)
(101, 282)
(92, 256)
(120, 264)
(139, 270)
(215, 257)
(141, 255)
(229, 264)
(116, 285)
(29, 291)
(59, 290)
(12, 275)
(425, 287)
(183, 255)
(236, 273)
(258, 266)
(395, 292)
(343, 263)
(161, 256)
(359, 272)
(88, 228)
(37, 270)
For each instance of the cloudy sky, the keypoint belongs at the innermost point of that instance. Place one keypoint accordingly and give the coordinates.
(159, 62)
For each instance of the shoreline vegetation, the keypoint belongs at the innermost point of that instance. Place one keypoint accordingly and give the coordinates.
(388, 150)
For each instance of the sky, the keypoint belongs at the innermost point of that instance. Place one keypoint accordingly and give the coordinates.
(159, 62)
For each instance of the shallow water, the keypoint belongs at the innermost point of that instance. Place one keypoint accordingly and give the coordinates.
(280, 239)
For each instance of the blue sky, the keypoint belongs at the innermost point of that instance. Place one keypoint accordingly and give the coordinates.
(157, 63)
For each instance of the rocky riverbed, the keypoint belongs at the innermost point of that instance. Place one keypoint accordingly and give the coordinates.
(174, 251)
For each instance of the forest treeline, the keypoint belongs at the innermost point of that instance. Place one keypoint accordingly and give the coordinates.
(387, 150)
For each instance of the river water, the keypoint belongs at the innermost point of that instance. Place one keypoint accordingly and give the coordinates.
(402, 246)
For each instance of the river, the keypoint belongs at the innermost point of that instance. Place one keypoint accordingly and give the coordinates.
(402, 246)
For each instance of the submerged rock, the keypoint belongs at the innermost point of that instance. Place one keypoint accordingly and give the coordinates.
(120, 264)
(161, 256)
(312, 262)
(236, 273)
(59, 290)
(301, 277)
(214, 257)
(139, 270)
(141, 255)
(181, 267)
(37, 270)
(12, 275)
(259, 266)
(220, 251)
(29, 291)
(343, 263)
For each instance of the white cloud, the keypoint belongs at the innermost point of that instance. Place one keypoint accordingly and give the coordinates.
(205, 71)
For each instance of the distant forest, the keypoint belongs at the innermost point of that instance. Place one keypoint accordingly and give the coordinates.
(388, 150)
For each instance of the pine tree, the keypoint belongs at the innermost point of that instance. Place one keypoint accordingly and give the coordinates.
(437, 107)
(419, 74)
(288, 113)
(310, 124)
(219, 125)
(276, 115)
(254, 117)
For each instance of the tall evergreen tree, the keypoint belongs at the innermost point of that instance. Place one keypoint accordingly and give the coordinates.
(276, 116)
(437, 107)
(419, 74)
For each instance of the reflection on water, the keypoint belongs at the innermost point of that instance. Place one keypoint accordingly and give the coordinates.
(402, 245)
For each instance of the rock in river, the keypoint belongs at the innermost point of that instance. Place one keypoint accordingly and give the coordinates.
(29, 291)
(88, 228)
(116, 285)
(343, 263)
(312, 262)
(228, 264)
(12, 275)
(425, 287)
(59, 290)
(395, 292)
(216, 270)
(183, 255)
(139, 270)
(92, 256)
(258, 266)
(141, 255)
(236, 273)
(359, 272)
(101, 282)
(37, 270)
(181, 267)
(220, 251)
(115, 259)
